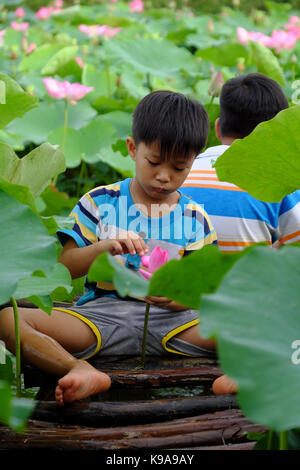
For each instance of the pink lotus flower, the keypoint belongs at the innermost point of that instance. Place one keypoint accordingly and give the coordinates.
(1, 35)
(97, 30)
(79, 62)
(19, 26)
(293, 26)
(136, 5)
(32, 46)
(72, 92)
(283, 40)
(44, 13)
(278, 40)
(153, 262)
(20, 13)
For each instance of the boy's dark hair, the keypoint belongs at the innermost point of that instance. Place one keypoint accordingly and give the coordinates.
(246, 101)
(178, 125)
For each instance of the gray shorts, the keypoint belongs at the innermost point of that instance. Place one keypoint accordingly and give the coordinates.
(118, 326)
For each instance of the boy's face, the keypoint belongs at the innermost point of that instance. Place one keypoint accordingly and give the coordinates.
(158, 179)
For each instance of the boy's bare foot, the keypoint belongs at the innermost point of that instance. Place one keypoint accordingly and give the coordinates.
(80, 382)
(223, 385)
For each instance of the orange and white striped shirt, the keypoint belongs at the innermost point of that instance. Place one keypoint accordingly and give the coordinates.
(239, 219)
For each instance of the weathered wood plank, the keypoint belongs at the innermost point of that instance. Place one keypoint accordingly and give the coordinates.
(179, 373)
(105, 413)
(219, 428)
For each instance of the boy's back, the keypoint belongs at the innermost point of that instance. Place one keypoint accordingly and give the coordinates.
(239, 219)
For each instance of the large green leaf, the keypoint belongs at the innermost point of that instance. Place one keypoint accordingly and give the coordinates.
(126, 281)
(39, 58)
(124, 165)
(204, 270)
(120, 120)
(44, 285)
(61, 58)
(44, 163)
(266, 62)
(255, 317)
(26, 245)
(19, 192)
(84, 143)
(37, 288)
(17, 101)
(103, 81)
(166, 58)
(38, 123)
(266, 163)
(14, 412)
(226, 54)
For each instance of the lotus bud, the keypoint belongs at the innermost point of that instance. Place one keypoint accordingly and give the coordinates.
(216, 84)
(210, 26)
(14, 53)
(294, 59)
(24, 43)
(241, 64)
(85, 49)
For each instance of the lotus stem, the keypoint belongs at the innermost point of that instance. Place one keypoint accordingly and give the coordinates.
(18, 346)
(283, 440)
(65, 126)
(143, 361)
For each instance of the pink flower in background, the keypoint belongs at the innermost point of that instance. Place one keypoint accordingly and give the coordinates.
(44, 13)
(97, 30)
(72, 92)
(242, 35)
(278, 40)
(19, 26)
(20, 13)
(136, 5)
(1, 35)
(79, 62)
(293, 26)
(32, 46)
(109, 32)
(153, 262)
(58, 3)
(283, 40)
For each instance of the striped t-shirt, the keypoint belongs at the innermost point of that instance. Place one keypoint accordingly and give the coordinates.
(106, 211)
(239, 219)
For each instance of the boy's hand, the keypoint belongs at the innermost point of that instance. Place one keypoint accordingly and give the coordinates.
(164, 302)
(124, 243)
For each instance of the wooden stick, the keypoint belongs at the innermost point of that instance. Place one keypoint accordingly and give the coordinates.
(112, 413)
(220, 428)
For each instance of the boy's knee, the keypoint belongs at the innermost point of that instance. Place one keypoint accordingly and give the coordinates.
(7, 325)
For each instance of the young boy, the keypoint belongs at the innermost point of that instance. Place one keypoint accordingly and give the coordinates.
(239, 219)
(126, 219)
